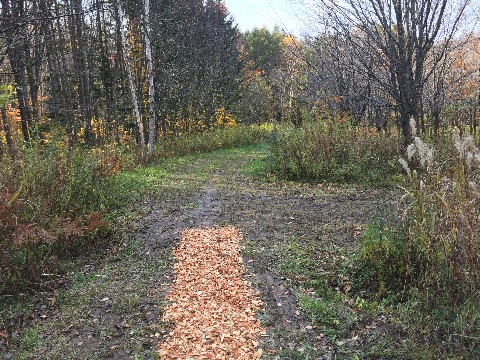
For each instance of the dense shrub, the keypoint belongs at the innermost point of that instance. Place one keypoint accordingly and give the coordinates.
(51, 195)
(327, 151)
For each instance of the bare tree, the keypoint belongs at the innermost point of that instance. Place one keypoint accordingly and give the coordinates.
(75, 63)
(401, 34)
(78, 40)
(14, 28)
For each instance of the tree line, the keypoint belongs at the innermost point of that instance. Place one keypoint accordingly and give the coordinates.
(103, 68)
(374, 62)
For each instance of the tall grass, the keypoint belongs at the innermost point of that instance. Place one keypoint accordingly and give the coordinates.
(327, 151)
(427, 259)
(434, 255)
(50, 201)
(218, 138)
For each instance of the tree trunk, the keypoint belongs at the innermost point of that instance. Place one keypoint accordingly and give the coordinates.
(15, 39)
(130, 75)
(33, 57)
(81, 67)
(151, 86)
(118, 75)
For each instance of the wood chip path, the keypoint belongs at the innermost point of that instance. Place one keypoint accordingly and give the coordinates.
(212, 307)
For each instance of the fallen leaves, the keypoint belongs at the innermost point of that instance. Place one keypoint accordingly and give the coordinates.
(212, 307)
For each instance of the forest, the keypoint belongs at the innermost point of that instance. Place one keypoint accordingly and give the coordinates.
(342, 167)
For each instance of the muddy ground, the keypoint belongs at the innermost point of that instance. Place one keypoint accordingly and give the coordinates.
(300, 240)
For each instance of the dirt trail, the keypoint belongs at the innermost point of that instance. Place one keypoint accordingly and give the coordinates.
(113, 309)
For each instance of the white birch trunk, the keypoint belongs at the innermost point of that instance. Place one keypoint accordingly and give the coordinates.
(151, 87)
(130, 76)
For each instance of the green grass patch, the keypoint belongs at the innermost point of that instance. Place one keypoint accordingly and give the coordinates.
(322, 312)
(30, 341)
(295, 259)
(259, 165)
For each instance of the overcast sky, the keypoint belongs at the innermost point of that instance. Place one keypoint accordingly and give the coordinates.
(286, 14)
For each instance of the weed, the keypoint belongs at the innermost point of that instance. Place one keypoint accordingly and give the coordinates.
(30, 340)
(380, 266)
(321, 311)
(431, 260)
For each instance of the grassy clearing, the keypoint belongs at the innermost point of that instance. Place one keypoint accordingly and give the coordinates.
(110, 306)
(302, 238)
(217, 139)
(307, 237)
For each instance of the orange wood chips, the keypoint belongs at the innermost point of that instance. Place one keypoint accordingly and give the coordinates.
(212, 307)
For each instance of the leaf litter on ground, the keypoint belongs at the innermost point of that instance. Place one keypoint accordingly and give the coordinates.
(212, 307)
